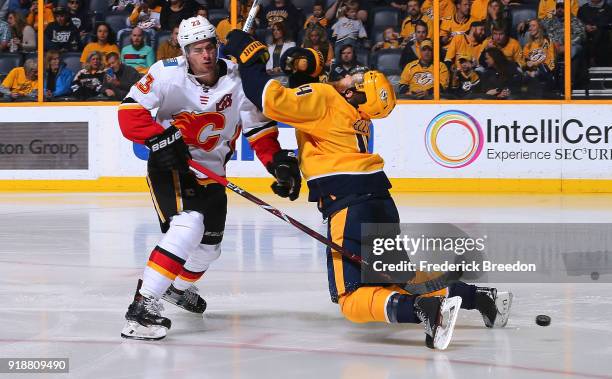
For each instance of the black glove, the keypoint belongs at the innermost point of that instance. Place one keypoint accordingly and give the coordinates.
(169, 151)
(284, 167)
(245, 49)
(302, 65)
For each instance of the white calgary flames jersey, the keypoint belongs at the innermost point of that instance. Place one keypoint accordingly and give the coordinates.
(210, 118)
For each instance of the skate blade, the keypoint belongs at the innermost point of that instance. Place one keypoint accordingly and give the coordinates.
(503, 304)
(135, 331)
(448, 316)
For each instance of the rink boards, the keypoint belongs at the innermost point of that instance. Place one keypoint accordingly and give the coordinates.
(559, 147)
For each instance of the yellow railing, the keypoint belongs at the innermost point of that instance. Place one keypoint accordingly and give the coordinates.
(436, 37)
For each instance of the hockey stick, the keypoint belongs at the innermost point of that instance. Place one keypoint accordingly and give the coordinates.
(412, 287)
(248, 23)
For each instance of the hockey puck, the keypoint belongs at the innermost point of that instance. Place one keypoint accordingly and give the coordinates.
(543, 320)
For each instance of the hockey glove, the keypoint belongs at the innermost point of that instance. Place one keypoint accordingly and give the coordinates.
(169, 151)
(299, 59)
(284, 167)
(245, 49)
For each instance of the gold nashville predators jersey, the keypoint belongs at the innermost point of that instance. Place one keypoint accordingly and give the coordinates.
(332, 139)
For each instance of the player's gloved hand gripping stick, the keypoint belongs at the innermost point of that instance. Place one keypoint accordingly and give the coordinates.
(413, 287)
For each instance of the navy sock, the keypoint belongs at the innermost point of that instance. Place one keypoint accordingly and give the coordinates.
(467, 292)
(400, 309)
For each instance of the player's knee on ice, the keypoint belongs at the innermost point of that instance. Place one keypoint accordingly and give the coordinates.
(366, 304)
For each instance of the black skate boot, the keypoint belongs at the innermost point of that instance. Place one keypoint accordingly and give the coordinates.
(144, 320)
(494, 306)
(189, 299)
(439, 315)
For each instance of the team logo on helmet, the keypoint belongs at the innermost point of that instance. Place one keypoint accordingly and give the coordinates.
(383, 94)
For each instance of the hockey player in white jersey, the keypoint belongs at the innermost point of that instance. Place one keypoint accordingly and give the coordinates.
(201, 111)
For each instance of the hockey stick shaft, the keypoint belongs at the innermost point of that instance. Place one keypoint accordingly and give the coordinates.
(248, 23)
(411, 287)
(198, 168)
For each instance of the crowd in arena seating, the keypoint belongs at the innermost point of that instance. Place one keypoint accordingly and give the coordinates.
(489, 49)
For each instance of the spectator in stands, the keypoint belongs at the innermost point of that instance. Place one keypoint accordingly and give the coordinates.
(20, 6)
(88, 82)
(103, 41)
(539, 54)
(338, 8)
(58, 78)
(547, 8)
(416, 81)
(23, 35)
(509, 46)
(146, 16)
(119, 78)
(347, 62)
(412, 49)
(279, 45)
(201, 10)
(281, 11)
(597, 18)
(447, 8)
(123, 5)
(318, 16)
(501, 79)
(458, 24)
(61, 35)
(497, 13)
(5, 35)
(479, 10)
(349, 29)
(175, 11)
(170, 48)
(315, 37)
(391, 40)
(414, 15)
(466, 82)
(137, 54)
(32, 18)
(225, 26)
(467, 45)
(21, 82)
(555, 29)
(79, 16)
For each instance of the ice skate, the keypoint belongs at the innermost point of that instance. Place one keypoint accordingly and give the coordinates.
(494, 306)
(189, 299)
(439, 315)
(144, 320)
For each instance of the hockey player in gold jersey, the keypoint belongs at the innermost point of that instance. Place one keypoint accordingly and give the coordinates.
(333, 126)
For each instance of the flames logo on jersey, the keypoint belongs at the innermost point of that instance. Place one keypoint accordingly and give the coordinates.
(423, 78)
(199, 128)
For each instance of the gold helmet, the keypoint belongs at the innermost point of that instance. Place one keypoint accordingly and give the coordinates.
(380, 96)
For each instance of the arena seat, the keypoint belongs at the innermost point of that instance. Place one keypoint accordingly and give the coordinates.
(72, 61)
(387, 61)
(8, 61)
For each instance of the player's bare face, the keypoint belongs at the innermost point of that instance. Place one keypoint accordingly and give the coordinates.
(202, 58)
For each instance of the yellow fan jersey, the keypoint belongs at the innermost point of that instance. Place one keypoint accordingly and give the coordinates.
(547, 8)
(463, 45)
(420, 78)
(332, 139)
(512, 50)
(478, 12)
(451, 25)
(408, 26)
(540, 52)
